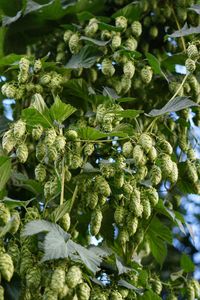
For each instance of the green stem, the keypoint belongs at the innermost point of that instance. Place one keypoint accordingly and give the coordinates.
(62, 182)
(179, 27)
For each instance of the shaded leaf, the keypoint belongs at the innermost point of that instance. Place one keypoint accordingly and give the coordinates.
(104, 26)
(93, 41)
(86, 58)
(128, 113)
(196, 8)
(121, 268)
(185, 31)
(9, 20)
(12, 203)
(60, 111)
(5, 170)
(150, 295)
(126, 99)
(89, 133)
(131, 11)
(155, 65)
(186, 263)
(60, 211)
(174, 105)
(129, 286)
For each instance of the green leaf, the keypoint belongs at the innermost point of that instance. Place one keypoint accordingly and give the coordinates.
(129, 286)
(128, 113)
(86, 58)
(5, 170)
(12, 203)
(94, 41)
(174, 105)
(131, 12)
(158, 248)
(126, 99)
(60, 111)
(10, 59)
(33, 117)
(196, 8)
(60, 211)
(150, 295)
(155, 65)
(185, 31)
(89, 133)
(104, 26)
(186, 263)
(84, 16)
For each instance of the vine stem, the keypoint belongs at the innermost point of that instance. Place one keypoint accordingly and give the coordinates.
(180, 87)
(62, 182)
(178, 26)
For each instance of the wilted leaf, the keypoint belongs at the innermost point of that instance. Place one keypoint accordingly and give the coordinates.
(5, 170)
(86, 58)
(93, 41)
(185, 31)
(60, 111)
(186, 263)
(174, 105)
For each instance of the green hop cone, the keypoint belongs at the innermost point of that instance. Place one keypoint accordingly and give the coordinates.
(6, 266)
(138, 155)
(123, 237)
(146, 74)
(121, 22)
(8, 141)
(1, 293)
(74, 43)
(89, 149)
(33, 278)
(135, 203)
(15, 222)
(190, 292)
(22, 153)
(173, 177)
(124, 292)
(49, 294)
(119, 215)
(157, 286)
(116, 41)
(96, 219)
(67, 35)
(57, 280)
(50, 188)
(115, 295)
(129, 69)
(146, 208)
(166, 165)
(83, 291)
(9, 90)
(127, 149)
(71, 135)
(132, 224)
(192, 51)
(65, 222)
(19, 129)
(192, 174)
(155, 175)
(136, 28)
(14, 252)
(92, 27)
(50, 136)
(107, 67)
(165, 146)
(131, 44)
(190, 65)
(102, 186)
(40, 172)
(4, 214)
(37, 132)
(37, 66)
(73, 276)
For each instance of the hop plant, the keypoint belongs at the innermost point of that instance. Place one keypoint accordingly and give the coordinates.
(24, 64)
(40, 151)
(102, 186)
(6, 266)
(67, 35)
(51, 153)
(96, 219)
(74, 43)
(173, 177)
(116, 41)
(19, 129)
(1, 293)
(146, 142)
(192, 51)
(15, 222)
(190, 65)
(8, 141)
(107, 67)
(157, 285)
(132, 224)
(60, 142)
(40, 172)
(4, 214)
(155, 175)
(22, 153)
(57, 280)
(129, 69)
(37, 132)
(37, 66)
(91, 28)
(119, 215)
(115, 295)
(127, 149)
(138, 155)
(49, 294)
(152, 195)
(83, 291)
(146, 74)
(65, 222)
(136, 28)
(73, 276)
(121, 22)
(33, 278)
